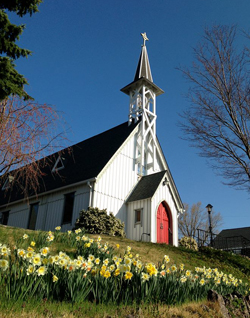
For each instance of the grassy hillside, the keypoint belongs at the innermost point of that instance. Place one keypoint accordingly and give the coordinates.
(234, 265)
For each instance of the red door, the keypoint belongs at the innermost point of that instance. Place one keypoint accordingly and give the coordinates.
(162, 225)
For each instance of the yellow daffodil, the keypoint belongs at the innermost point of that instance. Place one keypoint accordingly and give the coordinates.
(117, 272)
(128, 275)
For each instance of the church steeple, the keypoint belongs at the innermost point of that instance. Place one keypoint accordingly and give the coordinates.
(143, 92)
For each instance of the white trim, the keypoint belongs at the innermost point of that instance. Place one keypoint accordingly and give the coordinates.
(55, 169)
(7, 183)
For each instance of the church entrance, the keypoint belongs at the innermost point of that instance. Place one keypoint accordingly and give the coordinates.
(164, 232)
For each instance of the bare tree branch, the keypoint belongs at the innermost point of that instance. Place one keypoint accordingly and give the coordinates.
(28, 133)
(197, 218)
(217, 121)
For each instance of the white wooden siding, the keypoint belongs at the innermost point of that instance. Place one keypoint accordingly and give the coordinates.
(50, 211)
(19, 216)
(116, 181)
(135, 231)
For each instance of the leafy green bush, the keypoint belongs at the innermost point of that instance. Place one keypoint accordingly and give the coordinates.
(97, 221)
(188, 242)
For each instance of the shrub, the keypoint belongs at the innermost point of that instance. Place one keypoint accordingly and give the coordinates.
(188, 242)
(97, 221)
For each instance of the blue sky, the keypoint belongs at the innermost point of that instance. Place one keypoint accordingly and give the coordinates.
(84, 52)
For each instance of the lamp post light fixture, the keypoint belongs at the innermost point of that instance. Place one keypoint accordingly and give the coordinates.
(209, 210)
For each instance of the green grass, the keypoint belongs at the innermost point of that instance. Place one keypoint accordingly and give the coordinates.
(238, 266)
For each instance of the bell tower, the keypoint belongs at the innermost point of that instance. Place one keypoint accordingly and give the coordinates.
(142, 106)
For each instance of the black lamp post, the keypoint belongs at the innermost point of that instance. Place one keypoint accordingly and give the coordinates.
(209, 210)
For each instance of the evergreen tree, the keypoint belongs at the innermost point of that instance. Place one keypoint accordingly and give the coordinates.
(11, 82)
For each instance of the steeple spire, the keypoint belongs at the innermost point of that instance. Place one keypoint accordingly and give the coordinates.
(143, 72)
(143, 67)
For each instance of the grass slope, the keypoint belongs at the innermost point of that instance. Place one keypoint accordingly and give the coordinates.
(149, 252)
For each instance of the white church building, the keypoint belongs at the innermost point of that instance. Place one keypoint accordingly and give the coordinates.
(122, 170)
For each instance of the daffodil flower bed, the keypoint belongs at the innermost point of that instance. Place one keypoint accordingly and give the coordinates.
(98, 274)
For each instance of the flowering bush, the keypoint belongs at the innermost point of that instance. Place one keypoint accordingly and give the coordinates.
(97, 221)
(188, 242)
(97, 274)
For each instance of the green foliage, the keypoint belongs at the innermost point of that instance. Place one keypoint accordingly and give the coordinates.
(97, 221)
(188, 242)
(229, 259)
(11, 82)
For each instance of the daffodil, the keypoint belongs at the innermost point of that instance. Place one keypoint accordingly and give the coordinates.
(106, 261)
(4, 250)
(117, 272)
(21, 252)
(30, 270)
(4, 264)
(188, 273)
(173, 268)
(41, 271)
(162, 273)
(44, 251)
(166, 259)
(36, 260)
(107, 274)
(145, 277)
(91, 258)
(128, 275)
(183, 279)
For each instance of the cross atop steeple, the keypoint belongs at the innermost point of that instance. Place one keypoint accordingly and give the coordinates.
(145, 38)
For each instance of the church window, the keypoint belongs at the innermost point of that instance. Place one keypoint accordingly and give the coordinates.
(33, 216)
(138, 216)
(68, 207)
(4, 217)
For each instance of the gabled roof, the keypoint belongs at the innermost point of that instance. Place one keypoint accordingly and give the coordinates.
(242, 231)
(84, 162)
(146, 187)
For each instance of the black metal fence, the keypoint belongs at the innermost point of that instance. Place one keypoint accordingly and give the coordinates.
(234, 244)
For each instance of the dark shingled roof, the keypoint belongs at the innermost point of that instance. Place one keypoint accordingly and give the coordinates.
(86, 161)
(243, 231)
(146, 187)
